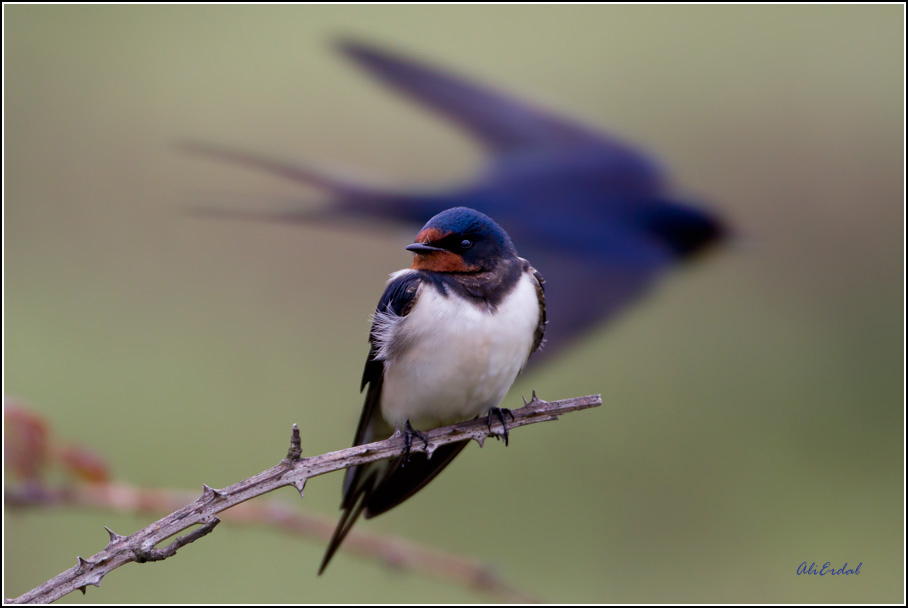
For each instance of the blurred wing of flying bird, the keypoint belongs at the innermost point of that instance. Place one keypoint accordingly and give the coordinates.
(594, 214)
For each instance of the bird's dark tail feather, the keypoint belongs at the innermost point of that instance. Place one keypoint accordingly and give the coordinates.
(376, 495)
(295, 172)
(351, 198)
(404, 482)
(351, 514)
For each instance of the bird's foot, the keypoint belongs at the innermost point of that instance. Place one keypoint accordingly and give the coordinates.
(409, 433)
(500, 412)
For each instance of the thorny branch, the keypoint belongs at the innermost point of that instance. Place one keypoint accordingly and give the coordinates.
(294, 471)
(393, 551)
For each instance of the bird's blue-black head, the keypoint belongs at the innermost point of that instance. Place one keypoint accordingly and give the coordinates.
(461, 240)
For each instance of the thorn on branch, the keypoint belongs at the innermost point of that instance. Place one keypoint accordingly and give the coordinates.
(296, 446)
(210, 494)
(114, 537)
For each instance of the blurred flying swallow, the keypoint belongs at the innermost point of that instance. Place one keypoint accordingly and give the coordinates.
(594, 214)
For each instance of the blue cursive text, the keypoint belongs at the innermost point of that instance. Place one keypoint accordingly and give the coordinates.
(827, 569)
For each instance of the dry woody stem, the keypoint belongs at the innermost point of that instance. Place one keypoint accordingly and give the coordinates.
(294, 471)
(391, 551)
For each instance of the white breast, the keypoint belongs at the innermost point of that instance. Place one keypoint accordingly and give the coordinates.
(453, 360)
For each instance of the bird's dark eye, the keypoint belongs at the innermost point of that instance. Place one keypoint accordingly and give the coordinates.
(466, 244)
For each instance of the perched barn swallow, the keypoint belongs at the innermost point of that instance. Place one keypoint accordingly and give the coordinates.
(593, 213)
(449, 336)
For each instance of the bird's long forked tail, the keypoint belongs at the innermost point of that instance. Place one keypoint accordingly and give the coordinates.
(351, 196)
(382, 492)
(343, 528)
(294, 172)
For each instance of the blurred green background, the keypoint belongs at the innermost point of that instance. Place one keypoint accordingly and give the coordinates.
(753, 402)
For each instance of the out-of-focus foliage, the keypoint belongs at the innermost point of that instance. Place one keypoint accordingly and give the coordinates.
(32, 454)
(753, 403)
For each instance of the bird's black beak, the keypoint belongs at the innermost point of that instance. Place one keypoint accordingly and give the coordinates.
(422, 248)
